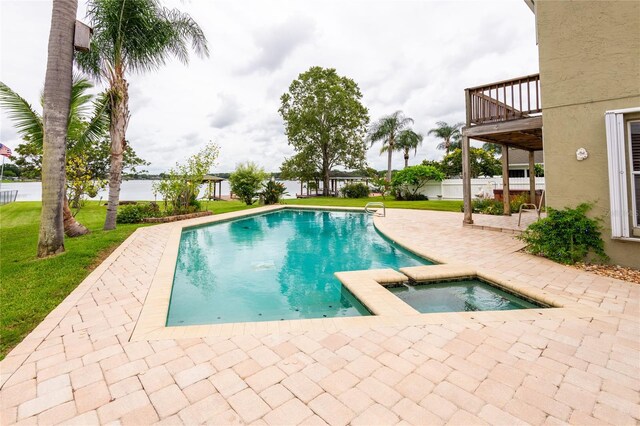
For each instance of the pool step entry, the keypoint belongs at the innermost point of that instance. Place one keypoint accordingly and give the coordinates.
(373, 208)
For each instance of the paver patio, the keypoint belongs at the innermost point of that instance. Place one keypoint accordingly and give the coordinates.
(80, 367)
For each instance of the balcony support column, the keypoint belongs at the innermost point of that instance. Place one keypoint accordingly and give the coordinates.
(466, 181)
(466, 172)
(506, 202)
(532, 178)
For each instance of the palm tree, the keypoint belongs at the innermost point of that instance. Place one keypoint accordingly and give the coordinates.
(57, 92)
(408, 140)
(86, 125)
(136, 36)
(448, 134)
(387, 130)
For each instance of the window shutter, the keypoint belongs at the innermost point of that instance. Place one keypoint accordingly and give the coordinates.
(617, 174)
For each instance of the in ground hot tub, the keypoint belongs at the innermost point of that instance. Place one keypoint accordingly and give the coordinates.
(460, 296)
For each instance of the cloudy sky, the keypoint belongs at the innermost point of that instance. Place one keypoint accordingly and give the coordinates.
(414, 56)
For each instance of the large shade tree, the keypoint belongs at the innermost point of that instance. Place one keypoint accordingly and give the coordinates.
(325, 121)
(449, 133)
(57, 97)
(132, 36)
(386, 130)
(408, 140)
(87, 124)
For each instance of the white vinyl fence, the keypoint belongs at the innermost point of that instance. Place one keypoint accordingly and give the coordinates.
(451, 189)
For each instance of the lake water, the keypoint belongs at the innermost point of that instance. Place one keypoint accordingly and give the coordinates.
(131, 190)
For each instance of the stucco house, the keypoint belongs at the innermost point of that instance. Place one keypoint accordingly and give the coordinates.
(583, 110)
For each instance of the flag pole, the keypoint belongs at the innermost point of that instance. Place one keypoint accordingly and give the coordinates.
(2, 172)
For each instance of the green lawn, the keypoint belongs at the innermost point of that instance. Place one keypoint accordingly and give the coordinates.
(31, 288)
(440, 205)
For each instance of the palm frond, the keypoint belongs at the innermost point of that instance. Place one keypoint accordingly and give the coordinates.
(186, 29)
(138, 35)
(28, 122)
(80, 99)
(97, 126)
(90, 62)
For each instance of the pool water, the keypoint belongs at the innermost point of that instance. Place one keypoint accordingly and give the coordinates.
(459, 296)
(277, 266)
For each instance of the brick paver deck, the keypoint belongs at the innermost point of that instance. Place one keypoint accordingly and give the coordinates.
(79, 367)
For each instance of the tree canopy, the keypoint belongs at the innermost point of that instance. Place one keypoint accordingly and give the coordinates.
(408, 182)
(325, 122)
(482, 163)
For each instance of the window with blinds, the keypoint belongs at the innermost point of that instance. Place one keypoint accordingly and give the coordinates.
(634, 167)
(623, 151)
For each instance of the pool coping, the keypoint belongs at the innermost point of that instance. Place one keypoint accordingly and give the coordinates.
(367, 286)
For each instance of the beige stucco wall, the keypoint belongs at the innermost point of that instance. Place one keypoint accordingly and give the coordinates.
(589, 63)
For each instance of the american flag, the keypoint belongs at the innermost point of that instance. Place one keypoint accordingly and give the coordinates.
(5, 151)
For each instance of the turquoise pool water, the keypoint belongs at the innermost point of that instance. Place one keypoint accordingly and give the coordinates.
(459, 296)
(277, 266)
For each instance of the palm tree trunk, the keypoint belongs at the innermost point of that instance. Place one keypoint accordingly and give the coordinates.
(117, 130)
(406, 158)
(57, 98)
(389, 154)
(72, 228)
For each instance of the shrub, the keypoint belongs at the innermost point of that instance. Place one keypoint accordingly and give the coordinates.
(565, 236)
(487, 206)
(272, 191)
(491, 206)
(355, 190)
(246, 181)
(179, 188)
(517, 201)
(407, 182)
(382, 186)
(134, 213)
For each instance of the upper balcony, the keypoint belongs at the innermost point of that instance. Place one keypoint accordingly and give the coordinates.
(507, 112)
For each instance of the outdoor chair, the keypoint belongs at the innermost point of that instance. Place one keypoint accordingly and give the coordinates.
(531, 207)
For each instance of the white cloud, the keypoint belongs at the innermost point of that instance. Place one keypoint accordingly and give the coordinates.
(415, 56)
(276, 42)
(226, 114)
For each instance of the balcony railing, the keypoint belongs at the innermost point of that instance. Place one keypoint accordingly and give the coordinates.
(504, 101)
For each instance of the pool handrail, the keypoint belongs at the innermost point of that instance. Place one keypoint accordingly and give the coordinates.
(376, 205)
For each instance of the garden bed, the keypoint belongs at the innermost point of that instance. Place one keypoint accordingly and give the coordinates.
(613, 271)
(175, 218)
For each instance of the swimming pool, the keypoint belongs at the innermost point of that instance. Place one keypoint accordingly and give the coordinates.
(277, 266)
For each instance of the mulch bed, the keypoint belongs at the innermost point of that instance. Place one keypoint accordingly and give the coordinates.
(612, 271)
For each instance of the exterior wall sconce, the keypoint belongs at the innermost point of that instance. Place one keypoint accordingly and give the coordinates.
(582, 154)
